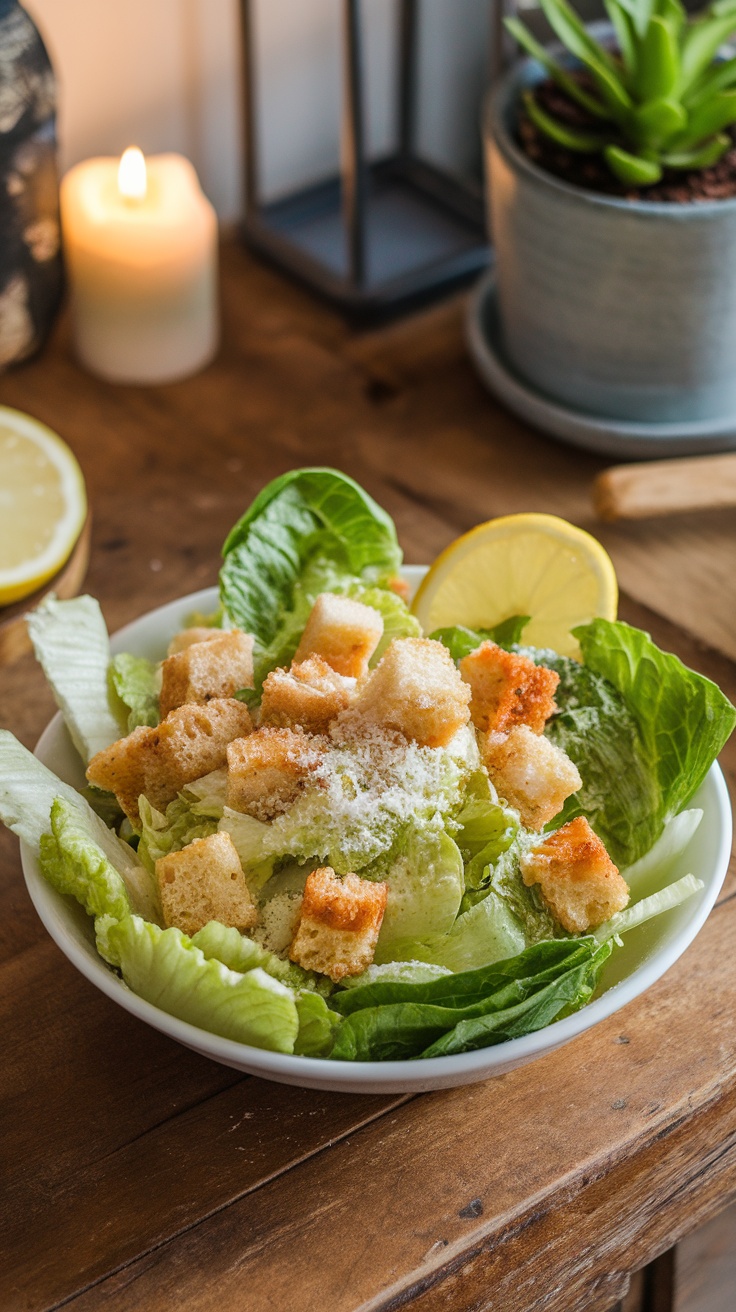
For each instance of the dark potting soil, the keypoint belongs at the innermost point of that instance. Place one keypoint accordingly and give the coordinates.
(591, 173)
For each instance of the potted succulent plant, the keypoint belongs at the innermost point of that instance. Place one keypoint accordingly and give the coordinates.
(613, 207)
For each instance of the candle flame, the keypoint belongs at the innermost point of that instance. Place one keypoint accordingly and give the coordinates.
(132, 180)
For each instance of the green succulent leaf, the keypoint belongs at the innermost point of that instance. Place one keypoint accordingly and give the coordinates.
(657, 61)
(558, 74)
(632, 170)
(674, 12)
(584, 143)
(640, 12)
(623, 26)
(657, 122)
(573, 34)
(719, 78)
(600, 63)
(701, 158)
(701, 43)
(707, 119)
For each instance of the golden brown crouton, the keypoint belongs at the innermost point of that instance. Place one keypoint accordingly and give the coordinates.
(309, 695)
(267, 770)
(187, 637)
(205, 881)
(339, 924)
(416, 690)
(508, 689)
(189, 743)
(576, 876)
(217, 667)
(343, 632)
(531, 774)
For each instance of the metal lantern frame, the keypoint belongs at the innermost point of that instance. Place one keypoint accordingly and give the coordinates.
(346, 209)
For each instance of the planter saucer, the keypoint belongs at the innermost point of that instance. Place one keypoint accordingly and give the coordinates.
(609, 437)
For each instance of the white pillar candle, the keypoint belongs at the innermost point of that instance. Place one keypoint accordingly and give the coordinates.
(140, 241)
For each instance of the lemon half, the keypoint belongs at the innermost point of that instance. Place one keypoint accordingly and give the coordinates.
(530, 564)
(43, 504)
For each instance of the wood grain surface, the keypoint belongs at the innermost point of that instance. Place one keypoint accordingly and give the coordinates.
(137, 1175)
(14, 639)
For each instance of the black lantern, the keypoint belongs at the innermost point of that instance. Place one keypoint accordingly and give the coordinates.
(380, 234)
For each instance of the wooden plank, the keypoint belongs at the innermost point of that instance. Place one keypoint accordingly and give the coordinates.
(541, 1188)
(162, 1137)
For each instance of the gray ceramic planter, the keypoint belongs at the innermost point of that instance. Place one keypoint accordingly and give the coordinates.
(623, 309)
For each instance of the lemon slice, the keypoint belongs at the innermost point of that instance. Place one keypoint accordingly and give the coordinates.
(43, 504)
(536, 565)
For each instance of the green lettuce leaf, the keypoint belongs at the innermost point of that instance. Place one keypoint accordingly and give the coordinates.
(391, 1021)
(486, 829)
(136, 682)
(240, 953)
(164, 967)
(460, 641)
(310, 531)
(398, 621)
(71, 643)
(425, 888)
(74, 864)
(652, 870)
(648, 907)
(412, 972)
(28, 790)
(317, 1026)
(683, 718)
(162, 833)
(600, 733)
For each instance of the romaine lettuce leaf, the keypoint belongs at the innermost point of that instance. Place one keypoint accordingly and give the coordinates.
(390, 1021)
(137, 683)
(486, 829)
(71, 643)
(74, 864)
(652, 870)
(162, 833)
(411, 972)
(164, 967)
(317, 1025)
(425, 887)
(599, 732)
(654, 905)
(460, 641)
(398, 621)
(683, 718)
(27, 792)
(240, 953)
(310, 531)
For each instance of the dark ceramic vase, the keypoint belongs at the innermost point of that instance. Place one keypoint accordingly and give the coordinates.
(30, 246)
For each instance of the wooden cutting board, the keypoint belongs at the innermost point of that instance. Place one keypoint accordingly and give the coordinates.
(14, 640)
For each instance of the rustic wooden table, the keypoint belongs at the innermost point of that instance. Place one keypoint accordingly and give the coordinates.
(137, 1175)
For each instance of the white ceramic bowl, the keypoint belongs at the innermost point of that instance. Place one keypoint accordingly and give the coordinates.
(647, 953)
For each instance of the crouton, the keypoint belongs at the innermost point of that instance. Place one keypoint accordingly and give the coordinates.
(190, 742)
(267, 771)
(187, 637)
(531, 773)
(416, 690)
(215, 667)
(344, 633)
(508, 689)
(576, 877)
(202, 882)
(309, 695)
(339, 924)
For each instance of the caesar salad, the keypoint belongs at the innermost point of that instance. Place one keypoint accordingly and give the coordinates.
(312, 828)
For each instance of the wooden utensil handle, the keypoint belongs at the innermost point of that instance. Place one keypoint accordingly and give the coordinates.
(664, 487)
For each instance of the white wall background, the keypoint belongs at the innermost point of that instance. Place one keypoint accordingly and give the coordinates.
(164, 75)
